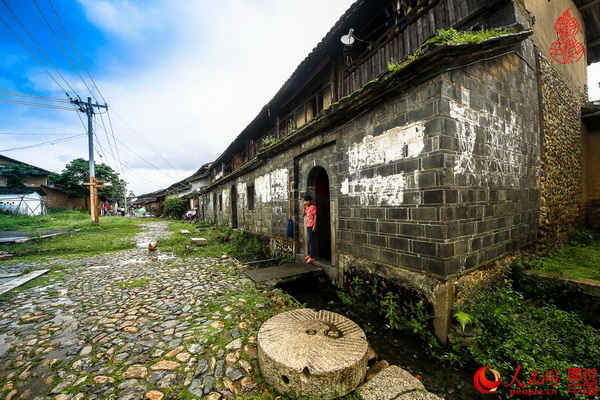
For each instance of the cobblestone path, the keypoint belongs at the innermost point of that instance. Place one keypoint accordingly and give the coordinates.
(134, 325)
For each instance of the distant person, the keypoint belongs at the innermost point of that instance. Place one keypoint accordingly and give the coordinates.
(310, 221)
(142, 211)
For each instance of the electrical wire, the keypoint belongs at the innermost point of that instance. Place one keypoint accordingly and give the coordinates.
(35, 96)
(51, 142)
(144, 140)
(36, 44)
(43, 105)
(33, 55)
(75, 50)
(61, 46)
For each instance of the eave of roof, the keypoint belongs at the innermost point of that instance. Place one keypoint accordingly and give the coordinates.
(38, 170)
(435, 61)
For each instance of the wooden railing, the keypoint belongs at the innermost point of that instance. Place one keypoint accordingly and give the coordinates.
(406, 36)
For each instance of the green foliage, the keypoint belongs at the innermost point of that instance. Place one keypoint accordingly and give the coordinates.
(110, 234)
(449, 37)
(76, 173)
(391, 314)
(463, 319)
(60, 220)
(516, 331)
(267, 142)
(579, 258)
(246, 247)
(173, 207)
(452, 36)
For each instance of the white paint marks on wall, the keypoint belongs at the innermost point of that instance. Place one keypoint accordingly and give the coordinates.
(392, 145)
(498, 161)
(272, 186)
(380, 190)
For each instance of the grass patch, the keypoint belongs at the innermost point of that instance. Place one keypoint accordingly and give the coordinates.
(579, 258)
(513, 330)
(60, 220)
(111, 234)
(221, 240)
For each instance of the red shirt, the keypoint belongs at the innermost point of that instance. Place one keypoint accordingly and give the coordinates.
(310, 212)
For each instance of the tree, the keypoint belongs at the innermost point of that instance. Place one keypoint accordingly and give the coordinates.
(76, 173)
(173, 207)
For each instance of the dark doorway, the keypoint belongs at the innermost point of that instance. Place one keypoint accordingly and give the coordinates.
(322, 202)
(234, 220)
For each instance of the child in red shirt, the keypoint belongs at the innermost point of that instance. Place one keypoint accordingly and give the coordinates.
(310, 221)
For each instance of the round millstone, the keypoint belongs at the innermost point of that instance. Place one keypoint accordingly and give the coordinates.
(307, 354)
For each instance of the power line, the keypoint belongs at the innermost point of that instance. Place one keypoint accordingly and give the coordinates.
(43, 105)
(33, 55)
(75, 50)
(61, 46)
(146, 161)
(31, 134)
(51, 142)
(37, 45)
(144, 140)
(36, 96)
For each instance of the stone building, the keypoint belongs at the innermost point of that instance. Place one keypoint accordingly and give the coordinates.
(426, 160)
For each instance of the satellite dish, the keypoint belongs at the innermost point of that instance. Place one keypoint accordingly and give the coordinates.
(347, 40)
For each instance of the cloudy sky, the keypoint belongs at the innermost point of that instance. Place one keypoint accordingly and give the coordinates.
(181, 78)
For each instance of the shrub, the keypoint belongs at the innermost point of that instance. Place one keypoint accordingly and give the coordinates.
(173, 207)
(516, 331)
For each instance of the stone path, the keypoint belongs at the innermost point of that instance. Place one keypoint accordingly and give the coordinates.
(133, 325)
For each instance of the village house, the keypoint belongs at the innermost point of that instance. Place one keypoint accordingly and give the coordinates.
(426, 160)
(24, 189)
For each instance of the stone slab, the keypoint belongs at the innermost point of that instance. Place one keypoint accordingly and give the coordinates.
(24, 236)
(21, 280)
(393, 382)
(283, 271)
(199, 241)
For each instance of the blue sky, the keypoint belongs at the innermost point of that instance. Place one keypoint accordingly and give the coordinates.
(182, 78)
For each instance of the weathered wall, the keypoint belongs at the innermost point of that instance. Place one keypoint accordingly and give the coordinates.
(591, 185)
(55, 198)
(437, 181)
(562, 176)
(555, 21)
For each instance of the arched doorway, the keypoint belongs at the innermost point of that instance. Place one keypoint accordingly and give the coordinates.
(319, 180)
(234, 220)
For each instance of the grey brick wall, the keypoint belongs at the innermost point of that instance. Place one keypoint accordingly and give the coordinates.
(438, 180)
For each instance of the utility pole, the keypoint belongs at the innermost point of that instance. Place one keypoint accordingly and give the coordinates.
(88, 109)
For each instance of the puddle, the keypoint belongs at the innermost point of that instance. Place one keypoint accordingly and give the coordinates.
(394, 347)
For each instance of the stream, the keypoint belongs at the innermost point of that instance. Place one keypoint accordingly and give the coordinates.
(397, 348)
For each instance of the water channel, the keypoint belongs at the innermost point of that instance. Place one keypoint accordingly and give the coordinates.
(397, 348)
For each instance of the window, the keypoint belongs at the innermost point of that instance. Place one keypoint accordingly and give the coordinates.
(250, 194)
(220, 201)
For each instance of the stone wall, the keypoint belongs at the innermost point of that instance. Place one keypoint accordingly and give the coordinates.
(561, 202)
